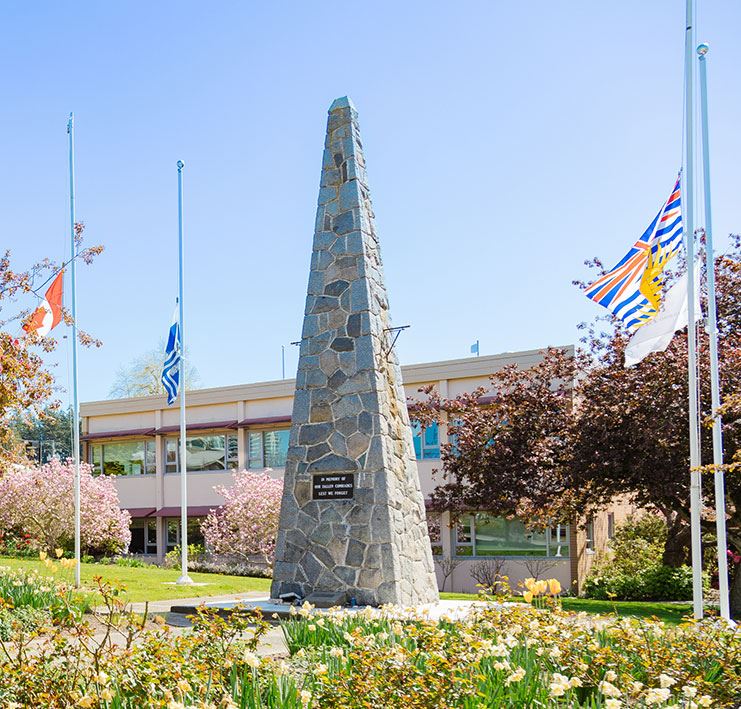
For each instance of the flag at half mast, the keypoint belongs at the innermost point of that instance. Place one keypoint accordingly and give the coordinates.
(632, 289)
(171, 369)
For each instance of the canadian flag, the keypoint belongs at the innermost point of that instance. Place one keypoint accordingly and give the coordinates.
(49, 314)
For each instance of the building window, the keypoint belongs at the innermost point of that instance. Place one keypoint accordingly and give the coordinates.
(195, 535)
(218, 452)
(464, 532)
(268, 449)
(123, 458)
(610, 525)
(559, 540)
(482, 534)
(590, 535)
(426, 440)
(433, 528)
(143, 536)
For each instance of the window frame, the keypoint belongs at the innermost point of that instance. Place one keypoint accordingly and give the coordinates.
(148, 524)
(552, 549)
(173, 523)
(259, 434)
(150, 457)
(419, 440)
(231, 463)
(589, 546)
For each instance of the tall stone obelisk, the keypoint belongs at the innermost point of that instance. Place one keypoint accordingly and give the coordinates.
(352, 517)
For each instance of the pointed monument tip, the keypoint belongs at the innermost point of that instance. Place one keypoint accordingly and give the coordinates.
(342, 102)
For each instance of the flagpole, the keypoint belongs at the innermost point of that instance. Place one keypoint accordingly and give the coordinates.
(695, 480)
(712, 328)
(73, 291)
(184, 578)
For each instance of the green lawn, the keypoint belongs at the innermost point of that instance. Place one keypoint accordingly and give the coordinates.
(671, 613)
(151, 583)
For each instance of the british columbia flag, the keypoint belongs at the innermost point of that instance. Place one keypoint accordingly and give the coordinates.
(631, 290)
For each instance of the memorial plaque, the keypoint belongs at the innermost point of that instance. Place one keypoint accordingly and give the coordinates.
(332, 487)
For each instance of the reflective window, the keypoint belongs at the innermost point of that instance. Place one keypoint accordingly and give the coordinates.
(195, 536)
(433, 528)
(211, 452)
(268, 449)
(123, 458)
(143, 536)
(590, 534)
(482, 534)
(426, 441)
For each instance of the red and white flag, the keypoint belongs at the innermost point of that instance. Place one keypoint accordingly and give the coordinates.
(49, 314)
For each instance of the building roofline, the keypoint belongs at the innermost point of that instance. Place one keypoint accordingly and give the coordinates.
(420, 373)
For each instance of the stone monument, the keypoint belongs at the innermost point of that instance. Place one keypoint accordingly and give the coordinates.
(352, 521)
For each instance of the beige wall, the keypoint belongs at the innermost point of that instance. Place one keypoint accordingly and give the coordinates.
(584, 558)
(461, 581)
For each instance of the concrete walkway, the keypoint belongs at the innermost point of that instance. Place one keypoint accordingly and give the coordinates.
(272, 643)
(162, 607)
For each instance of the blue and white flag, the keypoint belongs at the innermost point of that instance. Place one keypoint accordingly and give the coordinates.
(475, 348)
(171, 370)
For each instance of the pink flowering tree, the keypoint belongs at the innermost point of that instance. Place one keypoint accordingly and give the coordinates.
(247, 524)
(39, 502)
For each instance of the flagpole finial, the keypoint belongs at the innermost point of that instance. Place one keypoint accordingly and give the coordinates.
(181, 164)
(703, 48)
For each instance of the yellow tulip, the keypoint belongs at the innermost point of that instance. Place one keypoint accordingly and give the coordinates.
(43, 555)
(529, 584)
(555, 587)
(528, 596)
(59, 553)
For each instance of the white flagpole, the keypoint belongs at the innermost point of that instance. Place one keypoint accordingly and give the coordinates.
(73, 292)
(689, 229)
(712, 328)
(184, 578)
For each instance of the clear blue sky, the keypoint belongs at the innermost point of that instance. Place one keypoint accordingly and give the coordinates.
(506, 143)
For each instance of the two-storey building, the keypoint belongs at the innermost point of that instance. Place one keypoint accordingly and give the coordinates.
(247, 427)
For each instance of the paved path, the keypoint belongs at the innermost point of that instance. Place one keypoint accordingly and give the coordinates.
(165, 605)
(272, 642)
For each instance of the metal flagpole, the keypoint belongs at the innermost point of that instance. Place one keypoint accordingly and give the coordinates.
(712, 328)
(73, 290)
(689, 229)
(184, 578)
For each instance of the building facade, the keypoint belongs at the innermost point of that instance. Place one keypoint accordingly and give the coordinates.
(247, 427)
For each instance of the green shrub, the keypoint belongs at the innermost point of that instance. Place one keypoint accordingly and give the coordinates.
(28, 589)
(172, 558)
(206, 566)
(25, 619)
(656, 583)
(130, 561)
(631, 570)
(18, 544)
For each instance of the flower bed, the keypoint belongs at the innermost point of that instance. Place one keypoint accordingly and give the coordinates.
(28, 589)
(517, 655)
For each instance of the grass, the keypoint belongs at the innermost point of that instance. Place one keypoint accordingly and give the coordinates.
(150, 583)
(671, 613)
